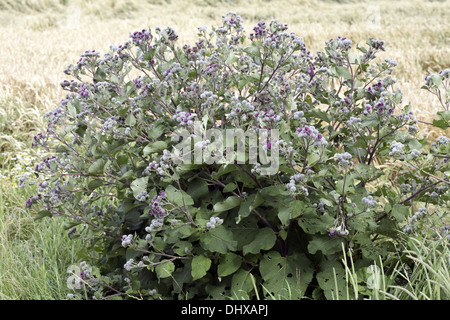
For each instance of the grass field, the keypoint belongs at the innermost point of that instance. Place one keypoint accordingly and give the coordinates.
(40, 37)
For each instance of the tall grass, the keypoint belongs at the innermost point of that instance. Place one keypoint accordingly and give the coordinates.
(426, 272)
(34, 255)
(421, 273)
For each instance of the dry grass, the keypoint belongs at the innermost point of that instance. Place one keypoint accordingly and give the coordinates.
(40, 37)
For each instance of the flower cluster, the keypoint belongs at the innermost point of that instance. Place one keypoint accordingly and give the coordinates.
(126, 240)
(415, 153)
(343, 159)
(320, 206)
(338, 231)
(292, 185)
(413, 220)
(377, 44)
(353, 121)
(312, 134)
(140, 37)
(259, 31)
(391, 62)
(213, 221)
(396, 148)
(158, 201)
(445, 231)
(184, 118)
(155, 225)
(129, 264)
(83, 92)
(340, 43)
(369, 201)
(442, 140)
(31, 200)
(159, 167)
(142, 196)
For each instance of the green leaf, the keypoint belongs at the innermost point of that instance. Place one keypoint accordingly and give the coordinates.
(312, 223)
(181, 276)
(219, 240)
(41, 214)
(366, 172)
(164, 269)
(200, 265)
(331, 278)
(252, 51)
(435, 80)
(320, 114)
(97, 167)
(286, 277)
(312, 158)
(228, 204)
(345, 185)
(325, 244)
(139, 185)
(154, 147)
(241, 284)
(442, 119)
(265, 240)
(229, 187)
(94, 184)
(131, 120)
(343, 72)
(198, 189)
(400, 212)
(176, 196)
(274, 191)
(224, 170)
(156, 131)
(230, 58)
(229, 263)
(295, 208)
(115, 80)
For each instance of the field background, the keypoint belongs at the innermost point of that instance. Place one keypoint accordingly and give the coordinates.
(38, 38)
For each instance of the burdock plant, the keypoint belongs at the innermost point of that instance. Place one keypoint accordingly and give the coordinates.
(160, 222)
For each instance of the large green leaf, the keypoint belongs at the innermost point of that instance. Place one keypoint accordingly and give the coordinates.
(251, 203)
(325, 244)
(228, 204)
(252, 50)
(200, 265)
(442, 119)
(265, 240)
(313, 222)
(343, 72)
(181, 276)
(400, 212)
(164, 269)
(139, 185)
(229, 263)
(97, 167)
(180, 198)
(331, 279)
(219, 240)
(286, 277)
(366, 172)
(154, 147)
(241, 285)
(295, 209)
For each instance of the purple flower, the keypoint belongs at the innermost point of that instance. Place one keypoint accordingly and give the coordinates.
(311, 70)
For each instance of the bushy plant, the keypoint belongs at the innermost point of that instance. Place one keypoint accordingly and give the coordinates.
(170, 219)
